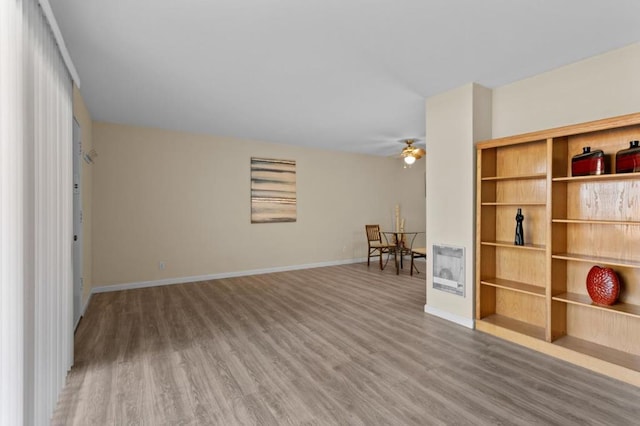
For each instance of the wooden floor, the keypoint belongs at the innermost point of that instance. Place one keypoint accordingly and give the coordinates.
(344, 345)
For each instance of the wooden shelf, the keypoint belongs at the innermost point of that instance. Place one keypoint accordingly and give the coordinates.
(595, 216)
(533, 290)
(597, 222)
(597, 260)
(583, 300)
(603, 178)
(514, 325)
(514, 204)
(521, 177)
(509, 244)
(614, 356)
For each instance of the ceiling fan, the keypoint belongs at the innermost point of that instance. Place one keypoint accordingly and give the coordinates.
(411, 153)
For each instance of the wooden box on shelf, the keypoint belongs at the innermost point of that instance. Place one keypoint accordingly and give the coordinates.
(536, 294)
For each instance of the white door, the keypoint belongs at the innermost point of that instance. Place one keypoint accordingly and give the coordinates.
(77, 224)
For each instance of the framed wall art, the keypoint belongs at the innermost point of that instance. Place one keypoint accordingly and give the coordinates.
(273, 190)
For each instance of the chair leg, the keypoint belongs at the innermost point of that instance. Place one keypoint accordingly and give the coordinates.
(411, 273)
(413, 265)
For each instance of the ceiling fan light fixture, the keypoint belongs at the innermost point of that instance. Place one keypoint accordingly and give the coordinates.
(409, 159)
(410, 153)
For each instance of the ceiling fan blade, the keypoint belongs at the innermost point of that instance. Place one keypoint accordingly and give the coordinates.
(418, 153)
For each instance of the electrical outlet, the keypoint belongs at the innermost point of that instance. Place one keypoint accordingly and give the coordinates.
(161, 265)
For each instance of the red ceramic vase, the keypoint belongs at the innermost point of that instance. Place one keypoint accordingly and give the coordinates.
(603, 285)
(628, 160)
(589, 163)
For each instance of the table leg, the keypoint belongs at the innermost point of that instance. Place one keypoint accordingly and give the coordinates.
(398, 248)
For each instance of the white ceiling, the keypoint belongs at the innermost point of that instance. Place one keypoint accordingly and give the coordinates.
(337, 74)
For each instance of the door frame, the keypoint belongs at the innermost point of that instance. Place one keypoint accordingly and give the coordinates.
(78, 284)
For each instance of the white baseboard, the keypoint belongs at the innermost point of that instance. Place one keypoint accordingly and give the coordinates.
(181, 280)
(84, 309)
(86, 304)
(463, 321)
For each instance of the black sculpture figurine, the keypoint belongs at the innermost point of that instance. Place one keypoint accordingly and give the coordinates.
(519, 241)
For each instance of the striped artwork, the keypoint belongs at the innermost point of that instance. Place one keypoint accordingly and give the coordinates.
(273, 190)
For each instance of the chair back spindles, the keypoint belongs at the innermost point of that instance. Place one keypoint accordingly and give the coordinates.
(373, 232)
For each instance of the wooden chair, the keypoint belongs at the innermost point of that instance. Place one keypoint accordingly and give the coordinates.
(376, 246)
(415, 254)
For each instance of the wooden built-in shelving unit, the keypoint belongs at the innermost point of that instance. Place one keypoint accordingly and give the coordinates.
(535, 294)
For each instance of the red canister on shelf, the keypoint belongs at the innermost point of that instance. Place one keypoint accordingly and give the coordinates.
(628, 160)
(588, 163)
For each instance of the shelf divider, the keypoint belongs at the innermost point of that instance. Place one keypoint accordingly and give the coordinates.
(515, 204)
(509, 244)
(602, 352)
(520, 177)
(597, 222)
(597, 260)
(589, 178)
(514, 325)
(514, 286)
(584, 300)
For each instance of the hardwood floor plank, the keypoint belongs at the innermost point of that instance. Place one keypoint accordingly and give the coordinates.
(165, 388)
(70, 397)
(323, 405)
(129, 384)
(368, 397)
(326, 346)
(97, 393)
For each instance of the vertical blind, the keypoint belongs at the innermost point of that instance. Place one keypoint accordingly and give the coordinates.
(36, 329)
(11, 222)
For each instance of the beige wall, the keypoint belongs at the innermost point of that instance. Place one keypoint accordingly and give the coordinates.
(184, 199)
(81, 114)
(602, 86)
(455, 120)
